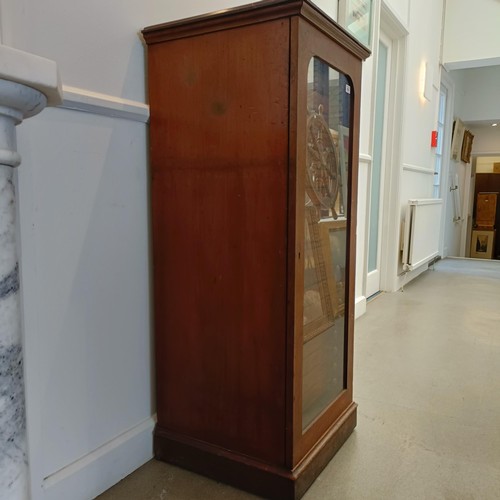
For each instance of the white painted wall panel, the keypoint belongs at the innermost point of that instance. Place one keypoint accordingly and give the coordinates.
(415, 185)
(480, 93)
(401, 9)
(486, 140)
(471, 34)
(420, 114)
(458, 79)
(84, 227)
(423, 21)
(96, 44)
(329, 7)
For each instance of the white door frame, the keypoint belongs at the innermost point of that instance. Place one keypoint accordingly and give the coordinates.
(448, 83)
(373, 276)
(389, 237)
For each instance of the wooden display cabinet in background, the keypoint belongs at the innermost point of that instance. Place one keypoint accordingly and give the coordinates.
(488, 183)
(486, 210)
(254, 152)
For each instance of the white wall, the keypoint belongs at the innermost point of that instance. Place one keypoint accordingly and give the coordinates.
(486, 140)
(84, 260)
(455, 231)
(479, 98)
(411, 176)
(83, 204)
(329, 7)
(401, 9)
(96, 44)
(419, 114)
(458, 79)
(471, 34)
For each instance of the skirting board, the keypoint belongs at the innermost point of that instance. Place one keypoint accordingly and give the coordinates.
(96, 472)
(359, 307)
(404, 279)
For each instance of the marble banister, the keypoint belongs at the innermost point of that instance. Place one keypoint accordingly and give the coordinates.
(28, 84)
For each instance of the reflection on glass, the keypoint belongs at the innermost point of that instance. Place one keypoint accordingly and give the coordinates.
(356, 17)
(376, 174)
(325, 238)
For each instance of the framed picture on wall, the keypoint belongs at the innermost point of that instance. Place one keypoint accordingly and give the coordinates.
(458, 137)
(467, 146)
(482, 243)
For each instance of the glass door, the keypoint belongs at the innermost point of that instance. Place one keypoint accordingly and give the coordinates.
(324, 376)
(378, 164)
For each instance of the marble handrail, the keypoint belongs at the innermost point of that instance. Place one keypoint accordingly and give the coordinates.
(33, 71)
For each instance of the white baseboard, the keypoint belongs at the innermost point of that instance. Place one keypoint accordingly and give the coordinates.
(360, 307)
(96, 472)
(406, 278)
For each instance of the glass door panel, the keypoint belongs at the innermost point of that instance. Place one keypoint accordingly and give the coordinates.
(378, 146)
(325, 238)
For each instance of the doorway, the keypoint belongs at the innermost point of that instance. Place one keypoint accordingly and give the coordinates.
(375, 209)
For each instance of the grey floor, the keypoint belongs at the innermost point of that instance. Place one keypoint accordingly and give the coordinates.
(427, 381)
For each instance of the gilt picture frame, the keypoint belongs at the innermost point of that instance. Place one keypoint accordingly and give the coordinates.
(482, 243)
(467, 146)
(458, 137)
(324, 291)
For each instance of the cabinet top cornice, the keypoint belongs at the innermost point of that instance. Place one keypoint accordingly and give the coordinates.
(265, 10)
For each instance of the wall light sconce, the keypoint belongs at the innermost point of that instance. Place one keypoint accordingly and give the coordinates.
(425, 87)
(427, 81)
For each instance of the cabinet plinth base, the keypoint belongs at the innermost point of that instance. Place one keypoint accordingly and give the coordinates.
(248, 474)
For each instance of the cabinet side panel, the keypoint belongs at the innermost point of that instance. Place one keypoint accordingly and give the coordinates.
(219, 146)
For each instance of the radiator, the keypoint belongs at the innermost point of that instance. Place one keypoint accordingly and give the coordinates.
(421, 232)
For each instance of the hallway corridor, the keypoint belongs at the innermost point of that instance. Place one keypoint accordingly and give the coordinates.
(427, 382)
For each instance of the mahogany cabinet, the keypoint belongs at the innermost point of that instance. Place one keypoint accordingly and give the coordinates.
(486, 210)
(254, 152)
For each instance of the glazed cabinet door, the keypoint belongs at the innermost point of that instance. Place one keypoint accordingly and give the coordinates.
(325, 224)
(324, 239)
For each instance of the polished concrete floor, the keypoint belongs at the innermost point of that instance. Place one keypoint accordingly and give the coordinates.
(427, 381)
